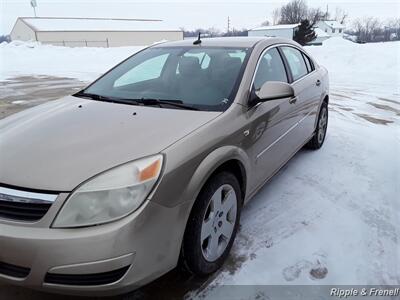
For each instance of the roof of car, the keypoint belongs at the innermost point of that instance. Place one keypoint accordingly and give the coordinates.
(242, 41)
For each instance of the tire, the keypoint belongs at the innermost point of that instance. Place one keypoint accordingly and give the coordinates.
(209, 223)
(318, 138)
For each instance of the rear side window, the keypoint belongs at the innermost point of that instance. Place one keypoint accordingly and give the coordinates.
(296, 62)
(309, 63)
(270, 68)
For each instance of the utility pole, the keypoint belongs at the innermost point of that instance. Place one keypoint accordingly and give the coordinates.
(229, 25)
(327, 12)
(34, 4)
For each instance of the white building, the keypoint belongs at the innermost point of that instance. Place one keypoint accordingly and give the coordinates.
(93, 32)
(333, 28)
(284, 31)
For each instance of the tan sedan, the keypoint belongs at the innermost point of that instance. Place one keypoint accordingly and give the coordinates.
(104, 191)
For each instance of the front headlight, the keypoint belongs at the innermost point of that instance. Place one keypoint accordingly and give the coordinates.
(110, 195)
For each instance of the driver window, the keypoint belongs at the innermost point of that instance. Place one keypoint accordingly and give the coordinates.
(149, 69)
(270, 68)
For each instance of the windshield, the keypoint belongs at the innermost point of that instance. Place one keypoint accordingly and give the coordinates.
(202, 78)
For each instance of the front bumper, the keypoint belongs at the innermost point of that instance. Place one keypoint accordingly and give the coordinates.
(145, 243)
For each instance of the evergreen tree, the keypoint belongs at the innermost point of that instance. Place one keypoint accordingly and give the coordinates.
(305, 33)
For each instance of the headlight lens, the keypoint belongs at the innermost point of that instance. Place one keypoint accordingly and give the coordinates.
(111, 195)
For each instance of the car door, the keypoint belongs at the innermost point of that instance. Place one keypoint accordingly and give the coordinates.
(270, 121)
(307, 86)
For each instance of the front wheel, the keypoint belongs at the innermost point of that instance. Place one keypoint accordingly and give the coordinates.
(322, 124)
(212, 225)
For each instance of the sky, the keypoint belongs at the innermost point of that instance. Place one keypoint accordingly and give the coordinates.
(189, 14)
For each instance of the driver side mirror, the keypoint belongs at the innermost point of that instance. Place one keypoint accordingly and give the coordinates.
(271, 90)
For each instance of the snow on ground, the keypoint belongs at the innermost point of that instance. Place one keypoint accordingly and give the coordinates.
(329, 217)
(335, 211)
(20, 59)
(376, 65)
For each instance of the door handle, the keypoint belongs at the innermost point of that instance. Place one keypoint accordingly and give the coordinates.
(292, 100)
(318, 83)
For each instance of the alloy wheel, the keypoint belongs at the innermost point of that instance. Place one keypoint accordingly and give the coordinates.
(322, 125)
(218, 222)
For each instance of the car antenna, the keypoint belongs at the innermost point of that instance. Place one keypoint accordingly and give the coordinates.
(198, 41)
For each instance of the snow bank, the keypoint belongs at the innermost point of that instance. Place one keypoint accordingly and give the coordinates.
(348, 63)
(32, 58)
(368, 65)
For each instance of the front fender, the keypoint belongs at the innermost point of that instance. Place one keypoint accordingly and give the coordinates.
(181, 183)
(210, 164)
(183, 180)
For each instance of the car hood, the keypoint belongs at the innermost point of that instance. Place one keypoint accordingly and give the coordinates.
(58, 145)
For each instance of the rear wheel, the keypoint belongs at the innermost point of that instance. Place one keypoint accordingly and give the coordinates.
(212, 225)
(322, 124)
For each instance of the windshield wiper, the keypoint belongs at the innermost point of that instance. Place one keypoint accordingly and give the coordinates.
(140, 101)
(91, 96)
(106, 98)
(161, 102)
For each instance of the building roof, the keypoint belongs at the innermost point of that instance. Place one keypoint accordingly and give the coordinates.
(94, 24)
(333, 24)
(281, 26)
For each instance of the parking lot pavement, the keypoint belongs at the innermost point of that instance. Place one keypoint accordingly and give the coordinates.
(22, 92)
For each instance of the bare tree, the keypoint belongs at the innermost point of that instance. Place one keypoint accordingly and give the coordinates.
(293, 12)
(358, 28)
(276, 14)
(297, 11)
(314, 15)
(340, 15)
(372, 26)
(212, 31)
(193, 33)
(240, 32)
(265, 23)
(367, 29)
(393, 26)
(397, 28)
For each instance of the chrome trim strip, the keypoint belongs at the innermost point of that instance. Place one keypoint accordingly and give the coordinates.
(283, 135)
(28, 197)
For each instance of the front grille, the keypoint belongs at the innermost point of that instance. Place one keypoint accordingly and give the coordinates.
(23, 211)
(24, 206)
(86, 279)
(13, 271)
